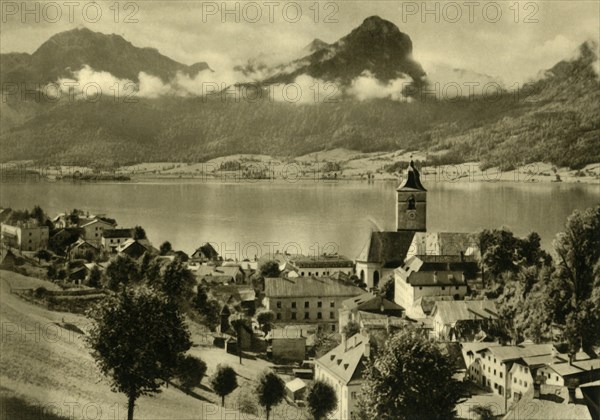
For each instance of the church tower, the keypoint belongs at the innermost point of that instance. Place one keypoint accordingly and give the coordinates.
(411, 203)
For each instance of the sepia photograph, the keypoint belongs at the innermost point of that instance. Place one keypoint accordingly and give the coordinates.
(300, 210)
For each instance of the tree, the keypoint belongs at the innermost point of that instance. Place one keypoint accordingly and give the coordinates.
(177, 282)
(410, 378)
(351, 328)
(165, 248)
(577, 275)
(211, 314)
(190, 371)
(95, 278)
(201, 298)
(270, 391)
(139, 233)
(265, 319)
(121, 272)
(137, 338)
(43, 254)
(270, 269)
(388, 289)
(38, 214)
(324, 342)
(223, 382)
(321, 400)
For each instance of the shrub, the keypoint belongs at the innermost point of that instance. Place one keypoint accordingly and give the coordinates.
(40, 292)
(190, 371)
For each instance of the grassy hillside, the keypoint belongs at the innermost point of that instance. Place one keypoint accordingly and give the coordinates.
(47, 372)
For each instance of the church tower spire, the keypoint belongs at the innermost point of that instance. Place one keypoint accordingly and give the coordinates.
(411, 202)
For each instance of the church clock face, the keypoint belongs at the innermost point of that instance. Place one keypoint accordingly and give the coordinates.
(412, 214)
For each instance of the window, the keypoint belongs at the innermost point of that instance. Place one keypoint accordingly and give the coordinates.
(494, 371)
(331, 315)
(556, 377)
(278, 304)
(524, 383)
(293, 305)
(420, 288)
(333, 327)
(520, 382)
(443, 287)
(456, 287)
(332, 304)
(319, 315)
(293, 315)
(501, 374)
(319, 304)
(489, 370)
(515, 380)
(306, 304)
(302, 274)
(306, 316)
(353, 395)
(278, 315)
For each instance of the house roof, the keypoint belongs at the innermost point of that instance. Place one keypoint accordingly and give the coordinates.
(239, 293)
(309, 287)
(506, 353)
(386, 248)
(369, 301)
(575, 368)
(117, 233)
(553, 403)
(375, 320)
(419, 272)
(220, 271)
(295, 385)
(284, 333)
(95, 220)
(412, 182)
(207, 250)
(297, 261)
(346, 363)
(461, 310)
(82, 242)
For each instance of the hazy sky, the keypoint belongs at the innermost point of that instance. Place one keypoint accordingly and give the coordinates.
(504, 39)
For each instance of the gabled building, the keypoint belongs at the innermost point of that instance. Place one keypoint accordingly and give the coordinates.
(367, 303)
(25, 236)
(490, 365)
(223, 274)
(298, 265)
(133, 248)
(92, 230)
(307, 299)
(343, 368)
(205, 253)
(449, 316)
(82, 249)
(429, 276)
(111, 239)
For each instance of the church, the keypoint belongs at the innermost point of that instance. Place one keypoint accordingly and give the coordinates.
(385, 252)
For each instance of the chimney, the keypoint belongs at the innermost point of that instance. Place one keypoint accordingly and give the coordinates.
(367, 351)
(344, 341)
(572, 397)
(536, 388)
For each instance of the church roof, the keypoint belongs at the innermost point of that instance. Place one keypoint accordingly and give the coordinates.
(387, 248)
(412, 182)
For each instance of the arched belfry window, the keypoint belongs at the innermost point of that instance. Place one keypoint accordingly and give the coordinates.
(411, 203)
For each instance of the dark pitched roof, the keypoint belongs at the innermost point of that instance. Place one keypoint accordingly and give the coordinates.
(309, 287)
(206, 250)
(371, 302)
(412, 182)
(387, 248)
(117, 233)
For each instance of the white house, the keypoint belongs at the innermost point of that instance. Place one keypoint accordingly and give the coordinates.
(341, 368)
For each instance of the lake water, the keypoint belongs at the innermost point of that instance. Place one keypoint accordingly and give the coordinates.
(253, 218)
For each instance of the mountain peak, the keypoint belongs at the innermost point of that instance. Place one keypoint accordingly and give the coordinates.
(316, 45)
